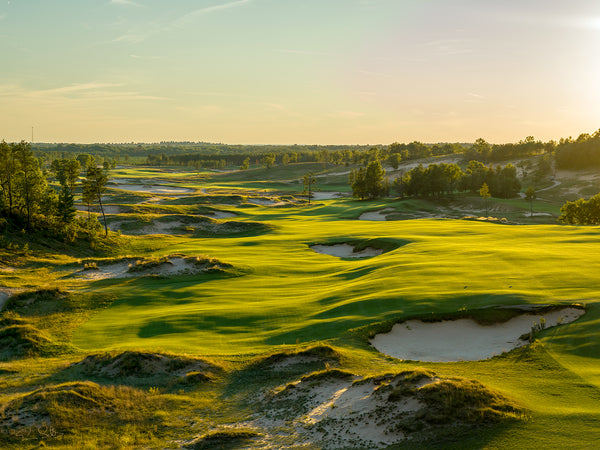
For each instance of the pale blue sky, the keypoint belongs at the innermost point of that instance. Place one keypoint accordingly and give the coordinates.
(298, 71)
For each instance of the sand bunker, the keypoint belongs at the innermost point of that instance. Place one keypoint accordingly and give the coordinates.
(537, 214)
(376, 215)
(335, 409)
(464, 339)
(152, 188)
(346, 251)
(265, 202)
(219, 214)
(326, 195)
(130, 267)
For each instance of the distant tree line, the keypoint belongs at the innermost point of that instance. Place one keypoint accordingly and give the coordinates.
(486, 152)
(581, 153)
(391, 155)
(438, 180)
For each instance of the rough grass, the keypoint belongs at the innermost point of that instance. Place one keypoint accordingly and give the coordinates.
(224, 439)
(146, 367)
(39, 302)
(24, 340)
(58, 413)
(462, 400)
(322, 354)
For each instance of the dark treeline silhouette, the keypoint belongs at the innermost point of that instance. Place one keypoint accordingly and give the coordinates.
(486, 152)
(580, 153)
(438, 180)
(207, 155)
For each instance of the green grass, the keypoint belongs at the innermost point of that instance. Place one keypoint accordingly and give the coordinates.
(281, 298)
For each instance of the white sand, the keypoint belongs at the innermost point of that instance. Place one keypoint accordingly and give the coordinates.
(323, 195)
(153, 189)
(264, 202)
(346, 251)
(120, 270)
(341, 414)
(376, 215)
(536, 214)
(463, 339)
(219, 214)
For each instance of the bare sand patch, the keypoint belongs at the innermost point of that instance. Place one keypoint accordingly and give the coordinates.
(335, 409)
(153, 189)
(346, 251)
(131, 267)
(265, 201)
(220, 214)
(464, 339)
(537, 214)
(327, 195)
(5, 294)
(376, 215)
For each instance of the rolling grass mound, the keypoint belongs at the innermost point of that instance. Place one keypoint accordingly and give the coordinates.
(24, 340)
(468, 401)
(383, 245)
(60, 411)
(11, 318)
(224, 439)
(207, 199)
(144, 365)
(208, 227)
(39, 302)
(292, 360)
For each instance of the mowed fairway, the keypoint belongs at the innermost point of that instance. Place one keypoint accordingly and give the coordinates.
(288, 293)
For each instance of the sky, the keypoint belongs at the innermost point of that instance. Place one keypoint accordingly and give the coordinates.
(298, 71)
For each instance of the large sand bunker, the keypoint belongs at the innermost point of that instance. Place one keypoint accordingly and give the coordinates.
(465, 339)
(380, 215)
(153, 189)
(346, 251)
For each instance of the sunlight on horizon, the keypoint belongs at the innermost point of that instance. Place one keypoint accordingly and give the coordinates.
(251, 72)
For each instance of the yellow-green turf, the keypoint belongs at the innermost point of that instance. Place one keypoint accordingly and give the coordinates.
(285, 293)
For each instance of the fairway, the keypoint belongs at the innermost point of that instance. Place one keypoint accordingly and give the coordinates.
(293, 294)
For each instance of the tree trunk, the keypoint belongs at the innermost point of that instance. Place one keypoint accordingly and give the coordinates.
(103, 216)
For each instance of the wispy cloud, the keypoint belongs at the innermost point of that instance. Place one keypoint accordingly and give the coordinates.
(78, 88)
(92, 91)
(305, 52)
(346, 114)
(144, 31)
(207, 10)
(449, 47)
(473, 97)
(124, 2)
